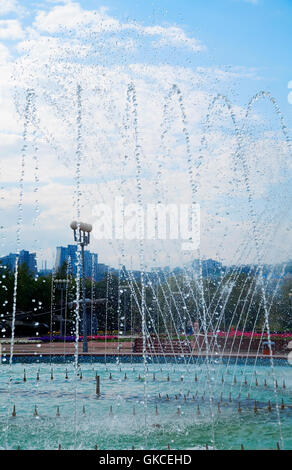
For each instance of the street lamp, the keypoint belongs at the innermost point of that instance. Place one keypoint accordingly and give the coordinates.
(82, 238)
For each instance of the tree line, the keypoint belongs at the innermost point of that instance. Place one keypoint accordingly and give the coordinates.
(172, 303)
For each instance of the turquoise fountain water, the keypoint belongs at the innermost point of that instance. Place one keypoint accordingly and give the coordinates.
(178, 414)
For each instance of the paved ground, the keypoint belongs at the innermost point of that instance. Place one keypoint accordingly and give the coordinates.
(94, 347)
(101, 348)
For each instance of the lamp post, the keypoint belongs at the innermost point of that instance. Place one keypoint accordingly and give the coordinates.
(82, 238)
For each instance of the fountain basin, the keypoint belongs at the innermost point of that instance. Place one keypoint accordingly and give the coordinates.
(180, 403)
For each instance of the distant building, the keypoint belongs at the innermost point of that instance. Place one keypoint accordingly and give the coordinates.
(9, 261)
(101, 268)
(209, 268)
(29, 259)
(61, 257)
(45, 271)
(25, 257)
(69, 255)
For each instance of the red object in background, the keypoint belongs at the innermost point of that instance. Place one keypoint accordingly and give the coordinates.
(99, 337)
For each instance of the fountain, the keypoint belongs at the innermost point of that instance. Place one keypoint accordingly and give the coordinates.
(195, 361)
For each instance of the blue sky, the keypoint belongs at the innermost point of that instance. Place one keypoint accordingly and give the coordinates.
(254, 34)
(248, 33)
(233, 47)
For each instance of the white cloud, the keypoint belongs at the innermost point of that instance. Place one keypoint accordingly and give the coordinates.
(60, 17)
(72, 17)
(12, 6)
(8, 6)
(10, 29)
(4, 54)
(172, 36)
